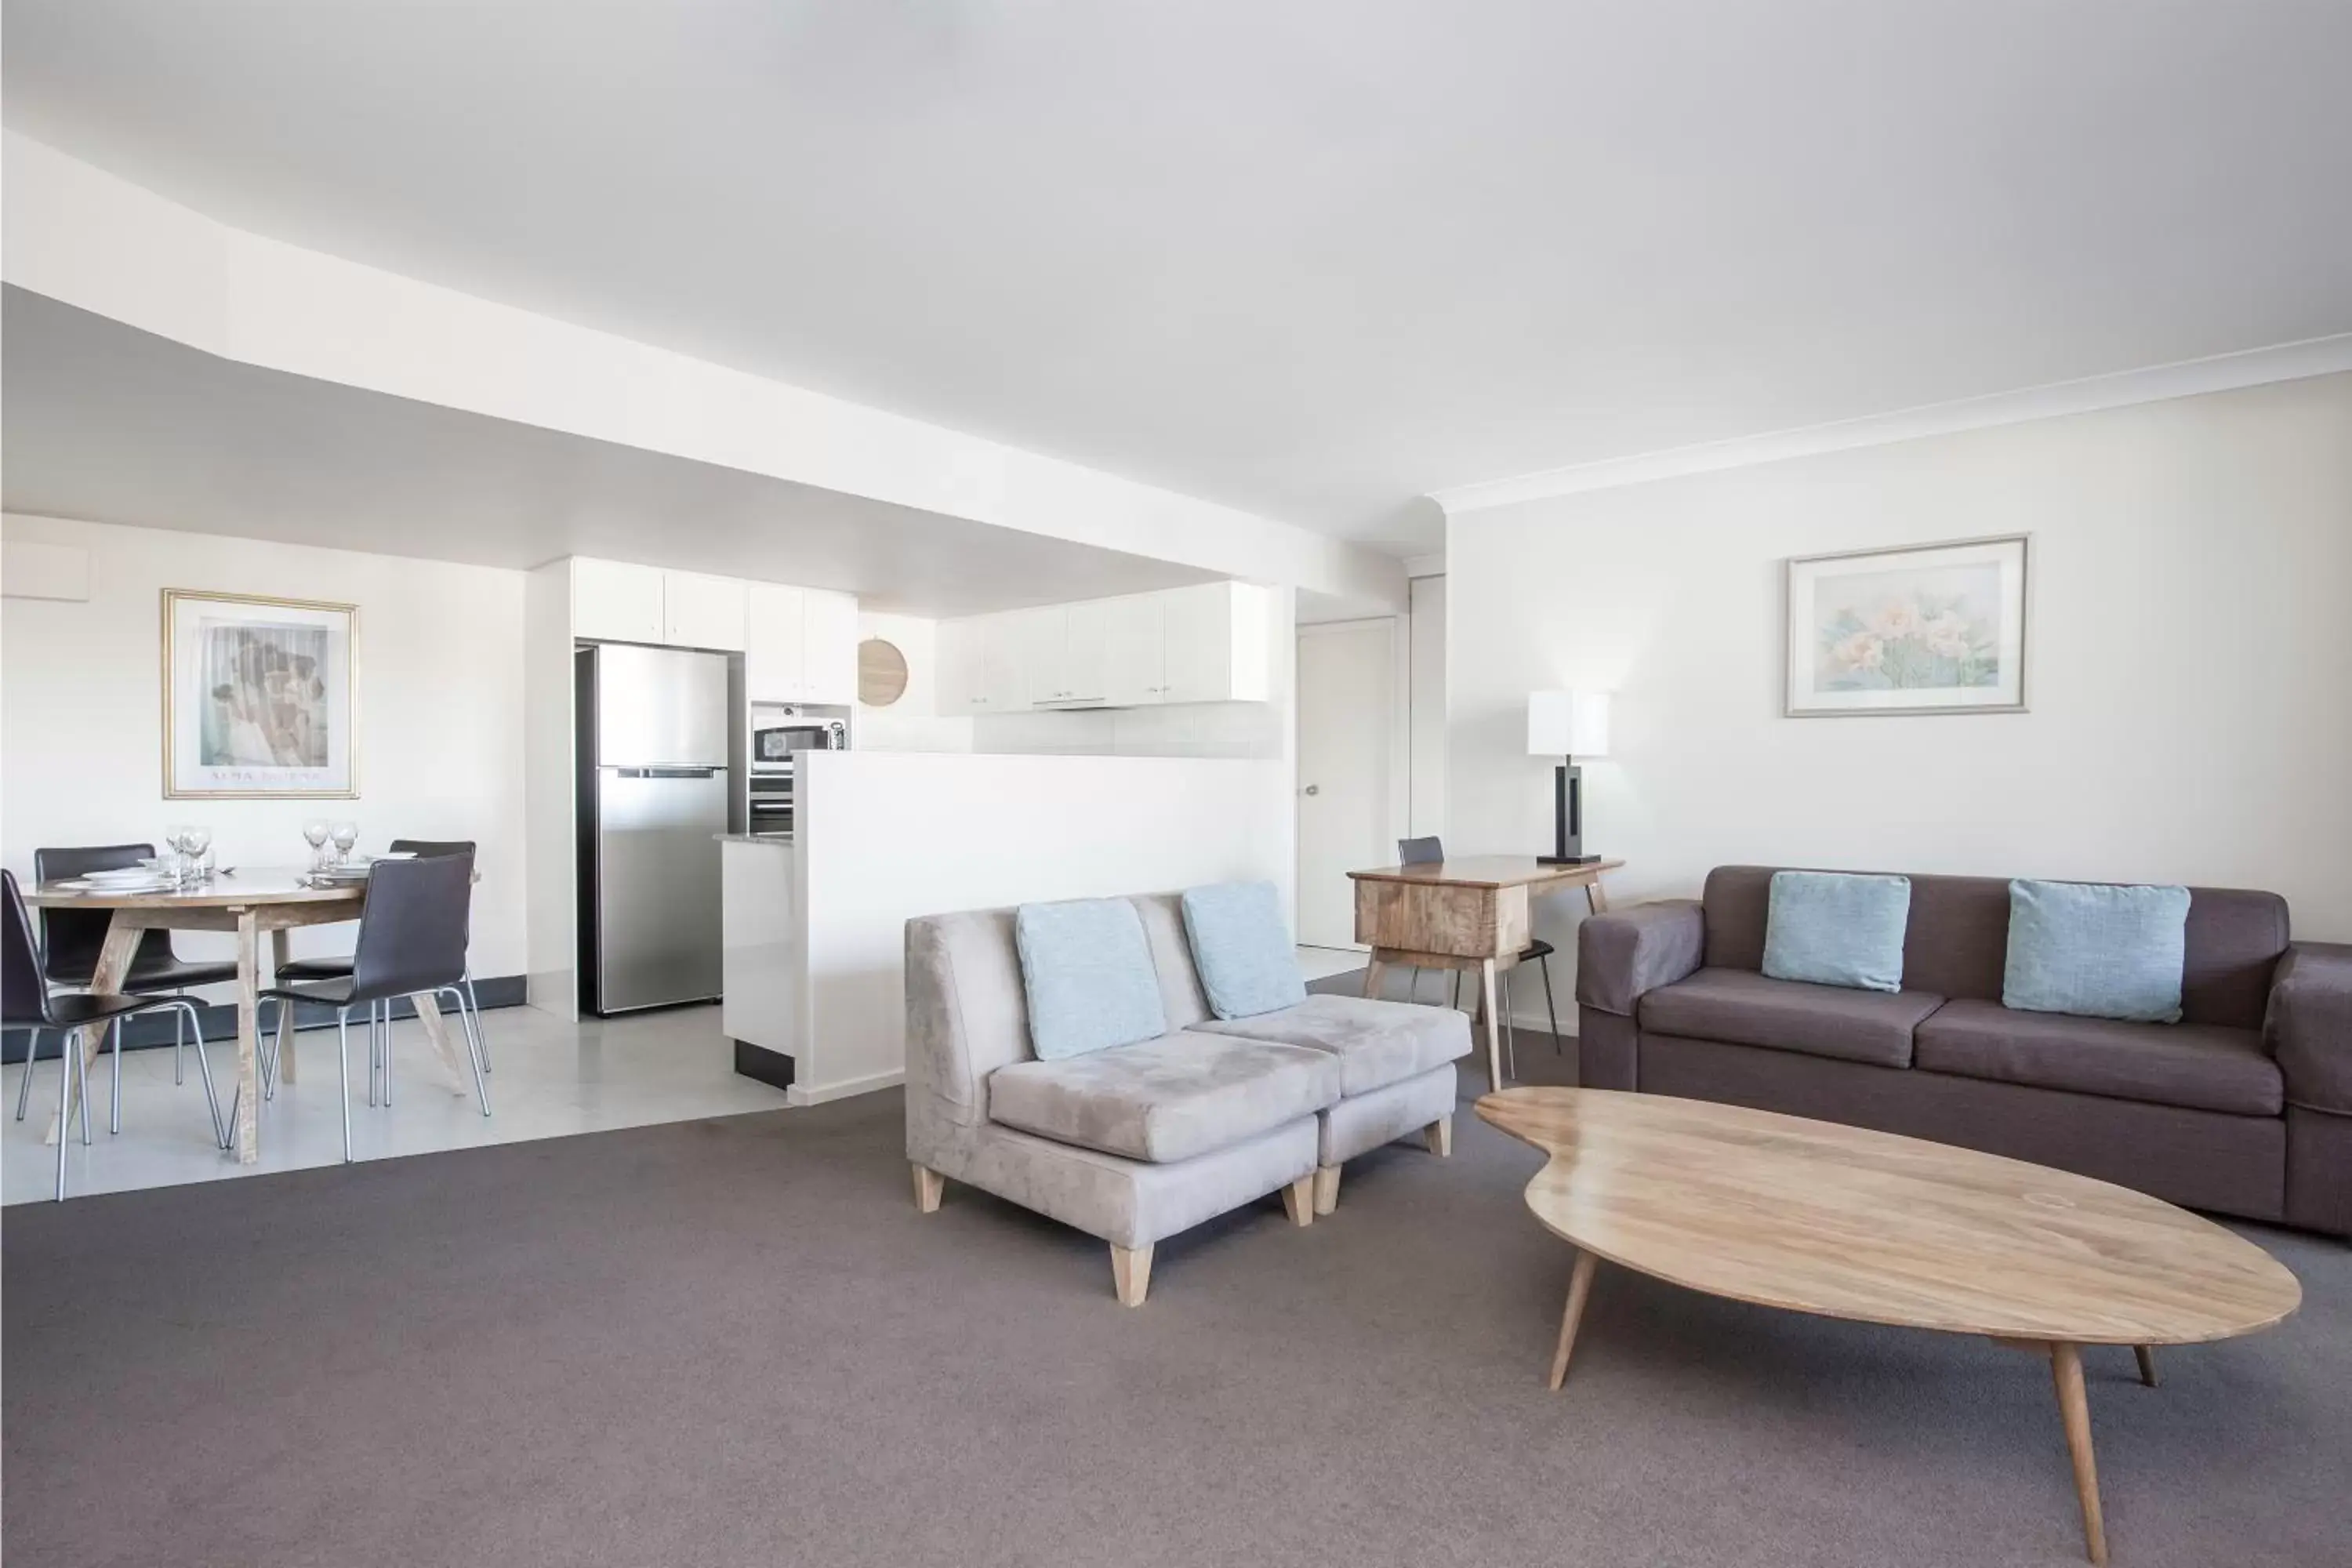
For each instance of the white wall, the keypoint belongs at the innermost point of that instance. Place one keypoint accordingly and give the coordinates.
(884, 836)
(440, 712)
(2189, 663)
(1426, 700)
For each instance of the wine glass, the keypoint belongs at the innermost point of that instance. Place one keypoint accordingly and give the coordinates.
(314, 834)
(194, 840)
(174, 864)
(345, 835)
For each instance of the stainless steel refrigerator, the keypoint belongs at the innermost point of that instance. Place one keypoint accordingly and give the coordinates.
(653, 738)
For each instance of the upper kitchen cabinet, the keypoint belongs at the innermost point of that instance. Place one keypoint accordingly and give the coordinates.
(980, 666)
(1209, 644)
(1060, 652)
(775, 661)
(829, 648)
(1217, 640)
(615, 603)
(800, 644)
(702, 612)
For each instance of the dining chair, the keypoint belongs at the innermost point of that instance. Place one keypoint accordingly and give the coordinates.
(335, 968)
(411, 942)
(71, 941)
(1429, 852)
(27, 1002)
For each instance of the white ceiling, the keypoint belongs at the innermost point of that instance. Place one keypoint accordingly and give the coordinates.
(110, 423)
(1313, 259)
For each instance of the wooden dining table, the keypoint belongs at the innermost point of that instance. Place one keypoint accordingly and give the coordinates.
(248, 902)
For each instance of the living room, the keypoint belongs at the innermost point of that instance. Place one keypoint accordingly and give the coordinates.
(1848, 515)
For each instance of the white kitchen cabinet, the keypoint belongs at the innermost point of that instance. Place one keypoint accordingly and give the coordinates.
(980, 666)
(1135, 650)
(829, 647)
(1217, 640)
(1086, 646)
(614, 602)
(776, 657)
(702, 612)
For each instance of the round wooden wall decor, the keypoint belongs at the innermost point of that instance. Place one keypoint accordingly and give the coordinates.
(881, 673)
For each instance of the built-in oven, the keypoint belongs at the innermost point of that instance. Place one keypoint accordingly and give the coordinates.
(770, 802)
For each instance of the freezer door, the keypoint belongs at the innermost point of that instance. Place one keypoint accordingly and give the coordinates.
(660, 707)
(657, 925)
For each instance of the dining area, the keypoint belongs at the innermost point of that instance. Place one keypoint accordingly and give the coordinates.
(89, 954)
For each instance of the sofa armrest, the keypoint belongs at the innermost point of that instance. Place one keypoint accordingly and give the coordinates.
(1620, 955)
(2309, 1024)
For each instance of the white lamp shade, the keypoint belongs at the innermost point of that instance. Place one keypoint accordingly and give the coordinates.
(1568, 724)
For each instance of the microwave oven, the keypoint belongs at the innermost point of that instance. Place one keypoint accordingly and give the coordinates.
(777, 744)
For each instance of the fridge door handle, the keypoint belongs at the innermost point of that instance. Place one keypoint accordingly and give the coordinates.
(669, 772)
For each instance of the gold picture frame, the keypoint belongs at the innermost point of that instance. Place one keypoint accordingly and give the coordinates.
(1910, 629)
(260, 697)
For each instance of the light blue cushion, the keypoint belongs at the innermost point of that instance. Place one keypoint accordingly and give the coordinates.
(1836, 929)
(1248, 965)
(1087, 971)
(2097, 950)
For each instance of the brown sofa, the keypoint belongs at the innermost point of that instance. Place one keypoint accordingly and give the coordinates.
(2245, 1107)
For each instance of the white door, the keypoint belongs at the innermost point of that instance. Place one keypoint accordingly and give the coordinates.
(1347, 715)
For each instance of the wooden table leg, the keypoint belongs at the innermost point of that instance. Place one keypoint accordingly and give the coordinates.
(1493, 1025)
(1580, 1290)
(2074, 1410)
(114, 966)
(1596, 897)
(1372, 972)
(279, 958)
(437, 1029)
(248, 1038)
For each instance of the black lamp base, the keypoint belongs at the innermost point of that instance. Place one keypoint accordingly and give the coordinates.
(1568, 818)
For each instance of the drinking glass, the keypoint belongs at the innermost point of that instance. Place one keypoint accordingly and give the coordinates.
(193, 841)
(314, 832)
(175, 861)
(345, 835)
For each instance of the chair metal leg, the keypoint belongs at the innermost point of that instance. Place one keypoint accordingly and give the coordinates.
(1550, 1011)
(473, 1046)
(65, 1104)
(114, 1090)
(179, 1046)
(386, 1006)
(1457, 989)
(343, 1073)
(481, 1036)
(25, 1084)
(204, 1069)
(373, 1049)
(1510, 1034)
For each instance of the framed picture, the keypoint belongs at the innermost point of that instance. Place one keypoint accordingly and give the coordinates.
(1927, 628)
(258, 698)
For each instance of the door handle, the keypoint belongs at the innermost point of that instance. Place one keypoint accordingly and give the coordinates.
(1312, 789)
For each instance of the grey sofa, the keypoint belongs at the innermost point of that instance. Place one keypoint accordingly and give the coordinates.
(1140, 1142)
(2245, 1107)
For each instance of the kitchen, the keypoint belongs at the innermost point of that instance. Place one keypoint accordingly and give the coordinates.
(804, 776)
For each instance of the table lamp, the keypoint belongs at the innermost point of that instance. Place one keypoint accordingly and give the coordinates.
(1568, 725)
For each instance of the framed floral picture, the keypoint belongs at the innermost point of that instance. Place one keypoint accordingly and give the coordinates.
(258, 698)
(1928, 629)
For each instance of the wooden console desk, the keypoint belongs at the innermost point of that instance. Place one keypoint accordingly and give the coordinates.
(1472, 912)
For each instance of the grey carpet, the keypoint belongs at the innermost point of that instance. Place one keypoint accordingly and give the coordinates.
(736, 1343)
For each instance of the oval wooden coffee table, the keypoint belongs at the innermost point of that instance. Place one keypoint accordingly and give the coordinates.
(1846, 1223)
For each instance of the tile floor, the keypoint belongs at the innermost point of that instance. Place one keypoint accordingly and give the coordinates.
(549, 1079)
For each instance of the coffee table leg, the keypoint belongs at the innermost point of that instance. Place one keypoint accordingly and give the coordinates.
(2074, 1409)
(2147, 1357)
(1580, 1290)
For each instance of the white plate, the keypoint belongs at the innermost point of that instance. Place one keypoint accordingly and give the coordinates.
(151, 885)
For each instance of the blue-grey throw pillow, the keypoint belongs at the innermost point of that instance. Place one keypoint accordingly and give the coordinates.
(1247, 963)
(1834, 928)
(2096, 950)
(1087, 971)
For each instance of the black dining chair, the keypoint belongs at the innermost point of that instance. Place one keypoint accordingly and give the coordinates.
(71, 940)
(336, 968)
(26, 1002)
(411, 942)
(1429, 852)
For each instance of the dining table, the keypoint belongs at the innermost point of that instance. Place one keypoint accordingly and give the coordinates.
(248, 902)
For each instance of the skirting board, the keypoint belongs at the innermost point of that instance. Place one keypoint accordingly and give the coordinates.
(150, 1030)
(817, 1094)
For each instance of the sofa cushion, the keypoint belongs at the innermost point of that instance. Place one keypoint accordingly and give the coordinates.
(2095, 950)
(1377, 1043)
(1750, 1009)
(1247, 963)
(1165, 1100)
(1086, 969)
(1834, 928)
(2198, 1067)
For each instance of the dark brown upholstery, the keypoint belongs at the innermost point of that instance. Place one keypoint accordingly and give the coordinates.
(2245, 1107)
(1750, 1009)
(2199, 1065)
(1957, 941)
